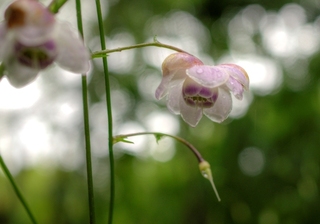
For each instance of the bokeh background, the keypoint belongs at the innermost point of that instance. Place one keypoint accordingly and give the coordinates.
(265, 158)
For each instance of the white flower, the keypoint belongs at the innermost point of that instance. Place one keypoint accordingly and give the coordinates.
(31, 39)
(193, 88)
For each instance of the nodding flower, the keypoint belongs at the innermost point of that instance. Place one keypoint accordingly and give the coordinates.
(31, 39)
(194, 89)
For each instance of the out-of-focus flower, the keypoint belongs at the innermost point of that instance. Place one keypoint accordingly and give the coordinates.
(31, 39)
(193, 88)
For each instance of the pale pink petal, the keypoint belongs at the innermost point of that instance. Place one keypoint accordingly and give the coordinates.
(174, 96)
(31, 21)
(237, 73)
(222, 107)
(191, 88)
(19, 75)
(34, 35)
(72, 54)
(174, 69)
(191, 115)
(208, 76)
(178, 61)
(235, 87)
(168, 81)
(28, 12)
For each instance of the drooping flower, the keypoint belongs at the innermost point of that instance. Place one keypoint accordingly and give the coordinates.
(31, 39)
(193, 89)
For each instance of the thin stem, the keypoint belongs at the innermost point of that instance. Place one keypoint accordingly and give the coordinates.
(158, 135)
(86, 127)
(1, 70)
(88, 150)
(16, 190)
(156, 43)
(204, 166)
(109, 113)
(55, 5)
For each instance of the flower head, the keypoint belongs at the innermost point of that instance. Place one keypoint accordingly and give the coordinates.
(31, 39)
(193, 88)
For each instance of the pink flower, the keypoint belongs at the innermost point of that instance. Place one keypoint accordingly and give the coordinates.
(193, 89)
(31, 39)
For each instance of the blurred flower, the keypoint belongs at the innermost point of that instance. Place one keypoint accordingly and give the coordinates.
(31, 39)
(194, 89)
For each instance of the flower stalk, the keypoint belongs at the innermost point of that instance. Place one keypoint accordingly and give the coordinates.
(2, 69)
(204, 166)
(16, 190)
(86, 127)
(55, 5)
(109, 112)
(155, 43)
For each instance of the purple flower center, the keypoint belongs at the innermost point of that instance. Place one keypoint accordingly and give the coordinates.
(196, 95)
(38, 57)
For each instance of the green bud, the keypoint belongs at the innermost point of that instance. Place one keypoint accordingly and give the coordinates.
(205, 170)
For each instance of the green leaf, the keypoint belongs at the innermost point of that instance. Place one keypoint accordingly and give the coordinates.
(158, 136)
(120, 138)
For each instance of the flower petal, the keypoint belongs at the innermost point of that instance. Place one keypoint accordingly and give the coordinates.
(166, 84)
(191, 115)
(238, 73)
(236, 88)
(34, 35)
(19, 75)
(208, 76)
(174, 95)
(72, 54)
(222, 107)
(179, 61)
(31, 21)
(174, 69)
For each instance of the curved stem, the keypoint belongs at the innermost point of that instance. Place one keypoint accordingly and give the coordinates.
(109, 113)
(86, 127)
(204, 166)
(158, 136)
(16, 190)
(156, 43)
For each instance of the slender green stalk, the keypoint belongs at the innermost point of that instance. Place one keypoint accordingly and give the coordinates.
(158, 136)
(88, 150)
(16, 190)
(103, 53)
(109, 113)
(86, 127)
(204, 166)
(1, 70)
(55, 5)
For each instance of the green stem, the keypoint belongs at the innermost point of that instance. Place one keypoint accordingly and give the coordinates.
(204, 166)
(16, 190)
(1, 70)
(109, 113)
(156, 43)
(86, 126)
(158, 135)
(55, 5)
(88, 150)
